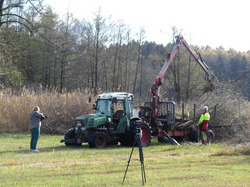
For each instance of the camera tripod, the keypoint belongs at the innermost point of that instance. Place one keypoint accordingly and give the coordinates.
(138, 141)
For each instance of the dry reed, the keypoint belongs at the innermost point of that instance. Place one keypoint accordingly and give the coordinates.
(61, 109)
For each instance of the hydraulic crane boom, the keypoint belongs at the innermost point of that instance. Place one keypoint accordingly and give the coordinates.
(160, 78)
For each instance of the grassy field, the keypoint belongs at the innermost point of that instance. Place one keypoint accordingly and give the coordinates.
(165, 165)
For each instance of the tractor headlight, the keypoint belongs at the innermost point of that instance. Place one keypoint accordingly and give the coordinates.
(83, 128)
(78, 124)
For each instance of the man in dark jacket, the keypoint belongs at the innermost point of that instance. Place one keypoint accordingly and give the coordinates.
(35, 123)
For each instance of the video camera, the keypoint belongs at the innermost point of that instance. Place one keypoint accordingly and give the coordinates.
(135, 128)
(44, 117)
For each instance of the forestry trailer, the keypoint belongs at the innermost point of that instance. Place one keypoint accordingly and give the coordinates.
(161, 115)
(114, 121)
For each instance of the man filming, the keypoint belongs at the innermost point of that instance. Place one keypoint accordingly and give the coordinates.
(35, 123)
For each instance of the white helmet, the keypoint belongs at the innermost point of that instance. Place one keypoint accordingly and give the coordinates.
(205, 109)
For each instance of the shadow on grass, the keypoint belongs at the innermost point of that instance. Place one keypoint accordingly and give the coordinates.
(23, 150)
(84, 146)
(61, 148)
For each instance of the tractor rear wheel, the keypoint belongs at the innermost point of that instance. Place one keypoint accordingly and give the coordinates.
(126, 139)
(98, 140)
(145, 134)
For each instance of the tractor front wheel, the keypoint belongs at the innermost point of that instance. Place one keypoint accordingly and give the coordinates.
(70, 135)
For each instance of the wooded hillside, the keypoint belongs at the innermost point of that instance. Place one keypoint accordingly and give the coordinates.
(38, 49)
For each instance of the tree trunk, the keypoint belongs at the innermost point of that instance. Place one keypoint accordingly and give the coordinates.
(137, 67)
(177, 84)
(62, 73)
(105, 76)
(96, 62)
(55, 70)
(188, 78)
(141, 80)
(114, 86)
(1, 12)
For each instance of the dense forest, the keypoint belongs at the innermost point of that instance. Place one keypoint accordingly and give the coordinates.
(40, 50)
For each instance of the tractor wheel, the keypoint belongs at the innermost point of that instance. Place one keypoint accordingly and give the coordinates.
(70, 134)
(98, 140)
(126, 139)
(145, 134)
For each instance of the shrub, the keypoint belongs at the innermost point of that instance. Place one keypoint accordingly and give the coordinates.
(228, 109)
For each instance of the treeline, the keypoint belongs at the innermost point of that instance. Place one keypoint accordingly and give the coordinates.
(38, 49)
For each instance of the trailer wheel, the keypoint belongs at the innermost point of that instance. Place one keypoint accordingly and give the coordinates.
(98, 140)
(145, 134)
(70, 134)
(193, 136)
(210, 136)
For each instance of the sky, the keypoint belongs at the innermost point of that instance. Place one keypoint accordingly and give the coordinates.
(214, 23)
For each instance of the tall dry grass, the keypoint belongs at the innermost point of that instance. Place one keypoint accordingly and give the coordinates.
(240, 149)
(61, 109)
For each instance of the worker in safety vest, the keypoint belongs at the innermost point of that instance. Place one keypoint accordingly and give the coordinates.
(203, 124)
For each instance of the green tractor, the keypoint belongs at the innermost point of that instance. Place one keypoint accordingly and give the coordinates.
(114, 121)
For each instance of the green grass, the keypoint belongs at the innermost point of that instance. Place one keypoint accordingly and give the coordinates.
(165, 165)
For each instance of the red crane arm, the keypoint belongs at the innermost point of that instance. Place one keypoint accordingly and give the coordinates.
(196, 57)
(160, 78)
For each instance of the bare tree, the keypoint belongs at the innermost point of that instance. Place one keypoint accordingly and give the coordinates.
(67, 41)
(127, 63)
(9, 12)
(117, 78)
(139, 56)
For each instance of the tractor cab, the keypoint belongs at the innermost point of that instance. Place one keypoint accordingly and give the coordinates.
(116, 106)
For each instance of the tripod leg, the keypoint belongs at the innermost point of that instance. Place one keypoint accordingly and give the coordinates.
(141, 159)
(143, 173)
(128, 162)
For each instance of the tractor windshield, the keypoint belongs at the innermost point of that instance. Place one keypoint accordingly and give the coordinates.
(104, 107)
